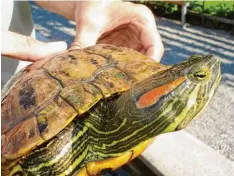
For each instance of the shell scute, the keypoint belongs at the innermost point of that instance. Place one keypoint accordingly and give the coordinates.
(112, 81)
(82, 96)
(132, 62)
(20, 139)
(141, 69)
(75, 67)
(54, 117)
(30, 94)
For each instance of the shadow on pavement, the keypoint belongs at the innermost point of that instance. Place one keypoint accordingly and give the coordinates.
(180, 44)
(52, 26)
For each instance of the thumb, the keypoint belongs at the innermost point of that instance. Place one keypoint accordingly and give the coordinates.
(85, 38)
(27, 48)
(89, 24)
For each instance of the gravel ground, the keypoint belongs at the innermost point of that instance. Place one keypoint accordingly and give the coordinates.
(215, 126)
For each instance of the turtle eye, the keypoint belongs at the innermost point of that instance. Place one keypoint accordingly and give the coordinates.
(201, 75)
(18, 173)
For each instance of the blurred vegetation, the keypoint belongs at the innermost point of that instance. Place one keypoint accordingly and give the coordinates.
(223, 9)
(215, 8)
(167, 8)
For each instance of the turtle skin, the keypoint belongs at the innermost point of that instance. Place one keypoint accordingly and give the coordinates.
(45, 97)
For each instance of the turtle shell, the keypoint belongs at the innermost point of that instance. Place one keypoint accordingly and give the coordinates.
(44, 98)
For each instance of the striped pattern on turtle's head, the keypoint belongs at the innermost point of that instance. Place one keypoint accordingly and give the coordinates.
(176, 96)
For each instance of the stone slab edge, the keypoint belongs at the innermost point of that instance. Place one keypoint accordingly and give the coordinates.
(181, 154)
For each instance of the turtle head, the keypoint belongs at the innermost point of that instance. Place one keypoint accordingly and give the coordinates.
(172, 98)
(199, 79)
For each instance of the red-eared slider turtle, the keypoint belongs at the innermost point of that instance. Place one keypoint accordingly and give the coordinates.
(89, 111)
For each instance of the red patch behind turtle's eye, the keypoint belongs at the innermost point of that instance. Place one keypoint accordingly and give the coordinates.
(151, 97)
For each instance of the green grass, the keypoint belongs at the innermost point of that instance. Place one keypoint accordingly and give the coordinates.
(216, 8)
(209, 4)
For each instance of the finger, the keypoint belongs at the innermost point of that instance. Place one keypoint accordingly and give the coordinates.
(87, 34)
(152, 43)
(149, 36)
(89, 24)
(27, 48)
(84, 39)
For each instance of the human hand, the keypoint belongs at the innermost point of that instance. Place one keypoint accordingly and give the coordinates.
(27, 48)
(118, 23)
